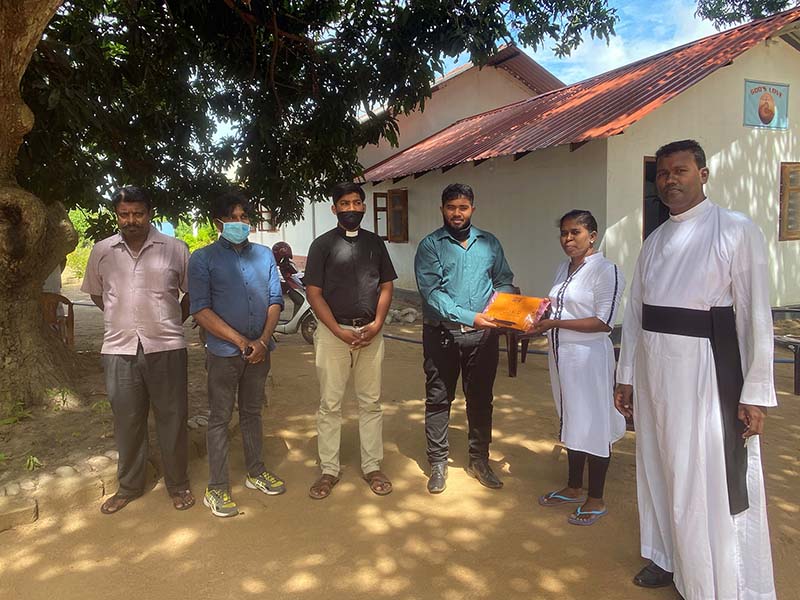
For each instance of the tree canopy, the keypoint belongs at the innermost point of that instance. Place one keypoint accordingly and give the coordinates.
(135, 91)
(132, 91)
(730, 12)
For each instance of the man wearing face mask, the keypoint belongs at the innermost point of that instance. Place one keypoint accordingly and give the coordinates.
(349, 279)
(236, 297)
(458, 268)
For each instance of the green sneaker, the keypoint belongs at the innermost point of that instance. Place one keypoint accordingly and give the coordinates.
(267, 482)
(220, 503)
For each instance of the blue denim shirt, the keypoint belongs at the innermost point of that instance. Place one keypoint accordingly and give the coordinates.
(239, 286)
(455, 282)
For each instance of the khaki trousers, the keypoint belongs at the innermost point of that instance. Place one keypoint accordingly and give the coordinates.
(335, 364)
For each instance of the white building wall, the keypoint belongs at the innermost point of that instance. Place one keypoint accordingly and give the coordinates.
(744, 162)
(520, 202)
(469, 93)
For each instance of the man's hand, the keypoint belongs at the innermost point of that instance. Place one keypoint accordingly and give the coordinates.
(623, 399)
(349, 336)
(484, 321)
(753, 419)
(258, 353)
(367, 333)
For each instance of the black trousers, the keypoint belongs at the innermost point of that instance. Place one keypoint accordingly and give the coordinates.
(231, 381)
(598, 467)
(133, 384)
(474, 355)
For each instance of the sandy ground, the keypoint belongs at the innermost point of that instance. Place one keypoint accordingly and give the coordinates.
(469, 542)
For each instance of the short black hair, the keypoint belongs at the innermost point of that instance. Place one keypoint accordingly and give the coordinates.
(457, 190)
(347, 187)
(131, 193)
(583, 217)
(222, 206)
(684, 146)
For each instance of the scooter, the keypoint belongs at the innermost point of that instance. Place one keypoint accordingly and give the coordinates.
(303, 319)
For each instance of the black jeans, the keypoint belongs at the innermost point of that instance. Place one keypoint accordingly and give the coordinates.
(448, 353)
(233, 380)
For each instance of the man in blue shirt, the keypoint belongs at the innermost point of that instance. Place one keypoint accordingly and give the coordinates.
(458, 267)
(235, 293)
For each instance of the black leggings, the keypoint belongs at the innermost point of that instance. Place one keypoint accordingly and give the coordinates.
(598, 467)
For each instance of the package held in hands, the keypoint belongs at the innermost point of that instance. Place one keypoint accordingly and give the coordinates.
(515, 311)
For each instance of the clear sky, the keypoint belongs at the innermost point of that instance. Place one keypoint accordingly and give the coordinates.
(644, 28)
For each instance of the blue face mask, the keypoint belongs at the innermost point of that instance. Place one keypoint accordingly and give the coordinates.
(235, 232)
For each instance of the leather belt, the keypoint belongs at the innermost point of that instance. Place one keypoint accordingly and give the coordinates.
(354, 322)
(449, 325)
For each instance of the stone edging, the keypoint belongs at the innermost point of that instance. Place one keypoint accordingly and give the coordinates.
(70, 486)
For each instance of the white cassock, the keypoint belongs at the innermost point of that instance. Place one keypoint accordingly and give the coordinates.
(582, 364)
(705, 257)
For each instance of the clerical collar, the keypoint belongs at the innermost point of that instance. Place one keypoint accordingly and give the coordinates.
(695, 211)
(350, 236)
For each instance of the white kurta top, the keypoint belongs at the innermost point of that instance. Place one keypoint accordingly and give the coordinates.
(582, 364)
(707, 256)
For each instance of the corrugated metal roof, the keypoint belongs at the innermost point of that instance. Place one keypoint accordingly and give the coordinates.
(518, 64)
(599, 107)
(523, 67)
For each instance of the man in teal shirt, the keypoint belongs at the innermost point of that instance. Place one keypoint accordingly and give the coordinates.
(458, 267)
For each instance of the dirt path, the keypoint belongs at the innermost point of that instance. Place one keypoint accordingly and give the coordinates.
(469, 542)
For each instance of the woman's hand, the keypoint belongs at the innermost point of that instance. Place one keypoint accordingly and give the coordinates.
(542, 326)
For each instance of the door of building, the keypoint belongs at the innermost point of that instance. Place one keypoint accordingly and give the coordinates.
(654, 213)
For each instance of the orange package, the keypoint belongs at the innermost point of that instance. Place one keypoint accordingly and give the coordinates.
(515, 311)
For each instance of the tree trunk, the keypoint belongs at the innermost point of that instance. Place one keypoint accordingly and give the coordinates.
(34, 237)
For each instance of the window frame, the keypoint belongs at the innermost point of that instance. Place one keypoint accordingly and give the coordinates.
(784, 233)
(389, 198)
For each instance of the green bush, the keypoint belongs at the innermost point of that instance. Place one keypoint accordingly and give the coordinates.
(206, 234)
(76, 260)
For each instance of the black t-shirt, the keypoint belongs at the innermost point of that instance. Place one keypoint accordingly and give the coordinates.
(349, 270)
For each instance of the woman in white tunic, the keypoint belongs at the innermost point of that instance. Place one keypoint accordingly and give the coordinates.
(585, 298)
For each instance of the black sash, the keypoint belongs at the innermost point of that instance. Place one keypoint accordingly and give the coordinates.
(719, 326)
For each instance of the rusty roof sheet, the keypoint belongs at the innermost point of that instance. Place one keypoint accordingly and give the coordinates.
(514, 61)
(599, 107)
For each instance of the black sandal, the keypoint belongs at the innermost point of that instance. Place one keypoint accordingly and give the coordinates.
(182, 500)
(116, 503)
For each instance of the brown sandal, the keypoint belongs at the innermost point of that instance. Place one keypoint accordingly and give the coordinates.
(182, 500)
(378, 483)
(116, 503)
(322, 487)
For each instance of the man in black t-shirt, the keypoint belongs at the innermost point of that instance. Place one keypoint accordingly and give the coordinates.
(349, 279)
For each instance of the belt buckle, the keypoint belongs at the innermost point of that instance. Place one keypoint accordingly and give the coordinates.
(466, 328)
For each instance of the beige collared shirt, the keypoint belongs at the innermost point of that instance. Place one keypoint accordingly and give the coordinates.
(140, 293)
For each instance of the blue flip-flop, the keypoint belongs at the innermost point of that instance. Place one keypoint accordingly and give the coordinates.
(546, 499)
(594, 516)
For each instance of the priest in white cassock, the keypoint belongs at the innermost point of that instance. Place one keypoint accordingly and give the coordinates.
(696, 373)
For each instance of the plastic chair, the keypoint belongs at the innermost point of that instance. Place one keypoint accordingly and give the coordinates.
(62, 324)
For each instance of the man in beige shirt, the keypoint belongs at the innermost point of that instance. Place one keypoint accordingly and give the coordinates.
(135, 277)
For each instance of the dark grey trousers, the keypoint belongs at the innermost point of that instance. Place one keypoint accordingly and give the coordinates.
(230, 377)
(133, 383)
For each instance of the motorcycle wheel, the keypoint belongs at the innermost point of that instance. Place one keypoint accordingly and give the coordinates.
(308, 326)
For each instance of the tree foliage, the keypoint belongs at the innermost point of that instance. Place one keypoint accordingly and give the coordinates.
(130, 91)
(729, 12)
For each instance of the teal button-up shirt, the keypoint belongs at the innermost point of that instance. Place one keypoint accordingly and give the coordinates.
(456, 282)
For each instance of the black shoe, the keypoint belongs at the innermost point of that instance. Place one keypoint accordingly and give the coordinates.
(480, 470)
(653, 576)
(438, 478)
